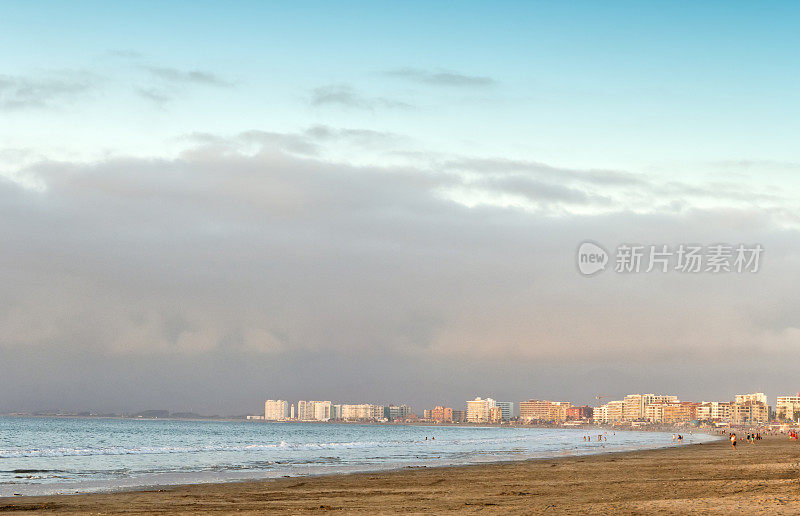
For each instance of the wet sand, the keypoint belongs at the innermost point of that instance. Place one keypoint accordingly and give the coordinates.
(763, 478)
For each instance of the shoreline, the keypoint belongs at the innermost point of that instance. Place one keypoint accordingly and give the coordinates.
(161, 480)
(703, 477)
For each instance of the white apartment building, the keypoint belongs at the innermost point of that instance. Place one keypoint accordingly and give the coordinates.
(305, 410)
(557, 412)
(654, 412)
(362, 412)
(757, 397)
(615, 410)
(314, 410)
(322, 410)
(635, 405)
(611, 411)
(714, 411)
(600, 414)
(788, 407)
(276, 410)
(478, 409)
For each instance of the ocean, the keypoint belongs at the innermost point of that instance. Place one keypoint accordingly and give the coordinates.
(74, 455)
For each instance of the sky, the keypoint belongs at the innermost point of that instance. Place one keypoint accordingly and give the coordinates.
(207, 204)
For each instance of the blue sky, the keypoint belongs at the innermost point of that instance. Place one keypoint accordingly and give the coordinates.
(622, 85)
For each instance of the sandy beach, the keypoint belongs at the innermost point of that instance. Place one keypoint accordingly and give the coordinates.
(710, 478)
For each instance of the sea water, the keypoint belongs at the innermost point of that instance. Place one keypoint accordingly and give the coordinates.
(67, 455)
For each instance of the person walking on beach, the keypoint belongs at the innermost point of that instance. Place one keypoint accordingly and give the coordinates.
(733, 440)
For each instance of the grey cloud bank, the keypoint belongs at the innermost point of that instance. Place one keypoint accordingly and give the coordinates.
(225, 275)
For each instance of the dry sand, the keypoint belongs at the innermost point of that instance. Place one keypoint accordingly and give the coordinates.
(708, 478)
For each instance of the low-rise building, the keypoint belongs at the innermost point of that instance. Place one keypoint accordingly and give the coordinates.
(442, 414)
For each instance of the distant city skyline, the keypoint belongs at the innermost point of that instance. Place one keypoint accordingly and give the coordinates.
(202, 203)
(634, 409)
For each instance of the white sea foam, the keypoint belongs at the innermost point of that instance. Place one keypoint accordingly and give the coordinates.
(154, 450)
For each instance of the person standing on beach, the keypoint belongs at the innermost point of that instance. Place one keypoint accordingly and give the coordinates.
(733, 440)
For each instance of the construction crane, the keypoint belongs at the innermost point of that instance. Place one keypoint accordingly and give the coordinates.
(599, 397)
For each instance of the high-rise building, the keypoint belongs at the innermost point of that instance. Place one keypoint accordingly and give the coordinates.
(534, 410)
(543, 410)
(276, 410)
(314, 410)
(788, 407)
(293, 413)
(507, 409)
(322, 410)
(633, 407)
(459, 416)
(305, 410)
(478, 409)
(397, 412)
